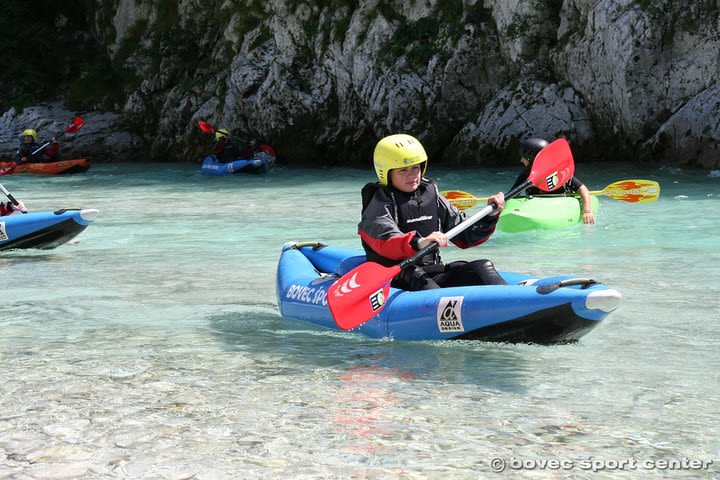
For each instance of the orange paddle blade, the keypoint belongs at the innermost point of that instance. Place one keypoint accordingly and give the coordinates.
(461, 200)
(633, 191)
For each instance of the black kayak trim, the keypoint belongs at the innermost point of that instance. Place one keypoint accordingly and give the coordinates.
(47, 238)
(556, 325)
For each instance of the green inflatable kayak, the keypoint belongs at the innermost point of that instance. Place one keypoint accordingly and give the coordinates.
(542, 212)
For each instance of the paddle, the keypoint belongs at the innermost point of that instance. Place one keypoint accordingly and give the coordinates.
(9, 195)
(462, 200)
(360, 294)
(73, 126)
(206, 127)
(8, 169)
(633, 191)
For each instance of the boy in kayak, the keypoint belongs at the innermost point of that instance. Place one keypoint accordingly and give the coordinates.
(529, 148)
(31, 151)
(403, 213)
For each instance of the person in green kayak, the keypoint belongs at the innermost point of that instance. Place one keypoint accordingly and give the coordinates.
(31, 151)
(404, 212)
(529, 148)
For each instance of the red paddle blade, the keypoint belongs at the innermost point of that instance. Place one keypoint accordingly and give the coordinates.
(206, 127)
(553, 166)
(360, 294)
(267, 149)
(8, 169)
(74, 125)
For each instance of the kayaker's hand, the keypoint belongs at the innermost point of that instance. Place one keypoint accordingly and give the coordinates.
(588, 217)
(53, 140)
(498, 201)
(438, 237)
(20, 207)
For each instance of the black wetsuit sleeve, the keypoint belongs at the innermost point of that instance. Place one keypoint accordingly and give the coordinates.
(574, 184)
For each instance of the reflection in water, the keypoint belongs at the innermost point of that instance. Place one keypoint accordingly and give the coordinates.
(374, 392)
(362, 401)
(490, 365)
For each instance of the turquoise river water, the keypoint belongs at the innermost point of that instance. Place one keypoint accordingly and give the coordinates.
(152, 347)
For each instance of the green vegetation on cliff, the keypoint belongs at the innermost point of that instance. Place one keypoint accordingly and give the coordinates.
(41, 50)
(47, 53)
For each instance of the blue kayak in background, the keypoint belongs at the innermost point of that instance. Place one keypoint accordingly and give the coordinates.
(260, 162)
(43, 230)
(529, 309)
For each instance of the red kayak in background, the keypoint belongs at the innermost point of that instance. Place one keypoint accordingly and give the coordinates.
(77, 165)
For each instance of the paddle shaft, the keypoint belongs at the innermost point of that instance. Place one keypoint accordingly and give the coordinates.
(461, 227)
(40, 148)
(9, 195)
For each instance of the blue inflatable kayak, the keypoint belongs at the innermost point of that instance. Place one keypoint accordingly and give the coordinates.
(260, 163)
(43, 230)
(528, 310)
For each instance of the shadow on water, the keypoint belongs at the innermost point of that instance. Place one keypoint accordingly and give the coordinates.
(12, 257)
(302, 346)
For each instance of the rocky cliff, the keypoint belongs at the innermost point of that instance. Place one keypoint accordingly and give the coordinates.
(632, 80)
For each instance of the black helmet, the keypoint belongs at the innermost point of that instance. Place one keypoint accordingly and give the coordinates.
(530, 147)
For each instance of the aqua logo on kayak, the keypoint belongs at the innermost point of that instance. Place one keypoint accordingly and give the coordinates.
(3, 233)
(449, 315)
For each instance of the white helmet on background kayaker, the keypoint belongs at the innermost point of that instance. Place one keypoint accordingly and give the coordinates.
(530, 147)
(222, 133)
(397, 151)
(30, 133)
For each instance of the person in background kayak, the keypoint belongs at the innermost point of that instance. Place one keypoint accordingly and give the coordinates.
(29, 145)
(251, 149)
(529, 148)
(404, 212)
(9, 208)
(225, 149)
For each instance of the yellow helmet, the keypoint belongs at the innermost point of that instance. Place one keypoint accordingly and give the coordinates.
(221, 133)
(397, 151)
(30, 133)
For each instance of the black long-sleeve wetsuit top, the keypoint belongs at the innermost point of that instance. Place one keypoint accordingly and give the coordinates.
(394, 221)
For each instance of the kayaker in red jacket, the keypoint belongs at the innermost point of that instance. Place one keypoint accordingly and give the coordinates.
(404, 213)
(8, 208)
(225, 149)
(529, 148)
(29, 145)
